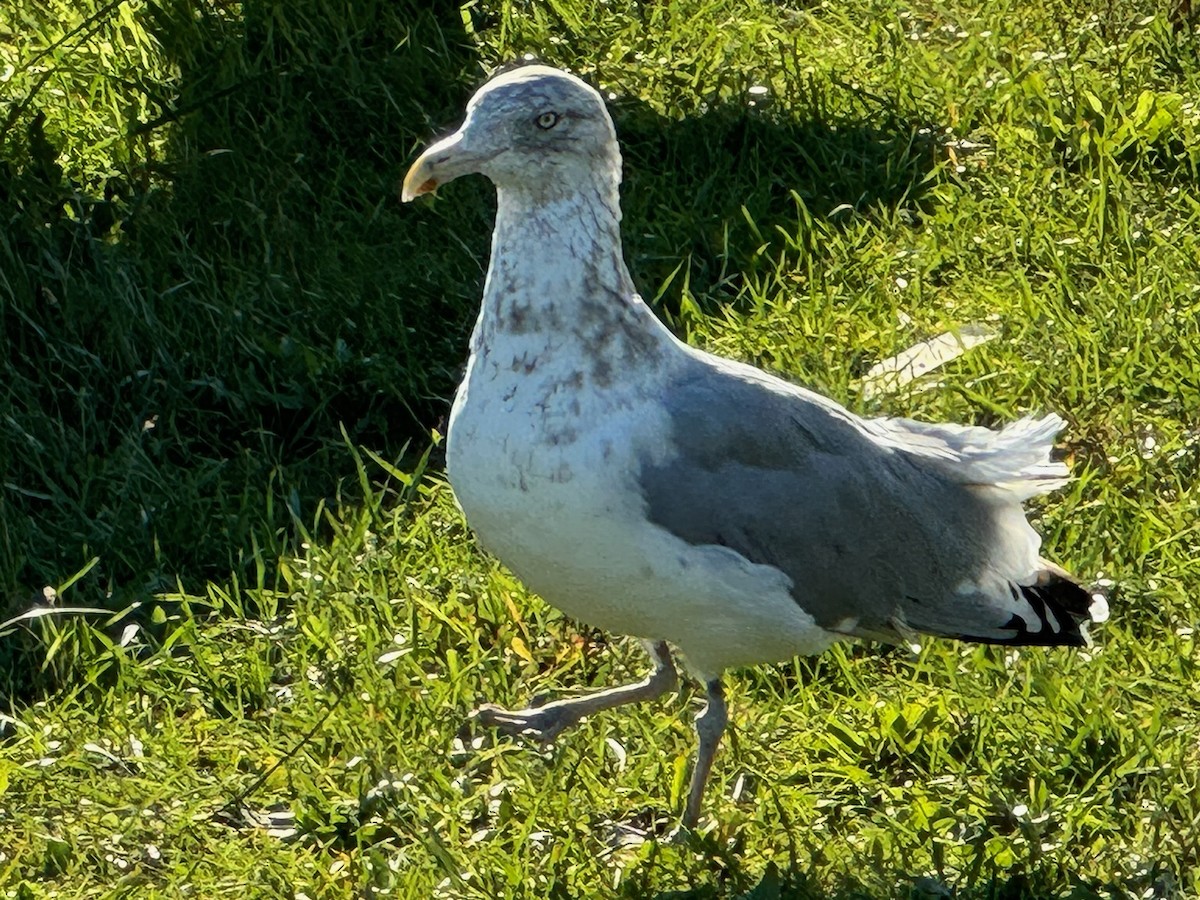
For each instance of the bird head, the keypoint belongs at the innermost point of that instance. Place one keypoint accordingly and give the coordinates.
(534, 128)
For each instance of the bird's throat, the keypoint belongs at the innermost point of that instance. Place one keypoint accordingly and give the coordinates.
(558, 288)
(556, 263)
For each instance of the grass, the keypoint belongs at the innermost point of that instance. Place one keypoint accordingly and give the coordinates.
(228, 346)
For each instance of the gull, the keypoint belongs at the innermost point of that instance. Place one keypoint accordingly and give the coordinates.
(699, 504)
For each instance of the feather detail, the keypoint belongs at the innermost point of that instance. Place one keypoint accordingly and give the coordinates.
(1015, 459)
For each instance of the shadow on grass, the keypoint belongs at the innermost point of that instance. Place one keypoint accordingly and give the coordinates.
(715, 190)
(186, 334)
(189, 336)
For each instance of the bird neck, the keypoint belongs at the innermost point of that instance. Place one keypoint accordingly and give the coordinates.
(556, 264)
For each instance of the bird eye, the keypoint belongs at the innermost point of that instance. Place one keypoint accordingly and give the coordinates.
(547, 120)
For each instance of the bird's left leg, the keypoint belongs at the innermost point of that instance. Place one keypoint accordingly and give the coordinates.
(710, 725)
(545, 722)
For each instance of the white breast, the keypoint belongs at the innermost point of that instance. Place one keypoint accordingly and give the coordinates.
(545, 471)
(545, 467)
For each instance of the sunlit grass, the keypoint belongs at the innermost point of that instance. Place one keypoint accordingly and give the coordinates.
(279, 708)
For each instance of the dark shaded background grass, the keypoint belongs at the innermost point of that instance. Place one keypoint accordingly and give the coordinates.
(193, 307)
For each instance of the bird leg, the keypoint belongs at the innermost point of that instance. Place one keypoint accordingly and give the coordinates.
(710, 725)
(546, 722)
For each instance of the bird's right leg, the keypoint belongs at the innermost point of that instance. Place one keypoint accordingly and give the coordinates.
(546, 722)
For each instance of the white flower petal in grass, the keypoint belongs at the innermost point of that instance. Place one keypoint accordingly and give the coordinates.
(100, 751)
(889, 375)
(484, 834)
(618, 752)
(392, 655)
(743, 788)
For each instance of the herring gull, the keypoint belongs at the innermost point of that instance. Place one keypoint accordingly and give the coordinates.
(650, 489)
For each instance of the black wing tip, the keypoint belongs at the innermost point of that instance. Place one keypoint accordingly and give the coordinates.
(1063, 610)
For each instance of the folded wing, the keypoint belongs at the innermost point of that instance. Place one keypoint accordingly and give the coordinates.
(886, 527)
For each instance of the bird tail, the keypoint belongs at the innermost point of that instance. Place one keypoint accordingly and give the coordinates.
(1047, 607)
(1052, 610)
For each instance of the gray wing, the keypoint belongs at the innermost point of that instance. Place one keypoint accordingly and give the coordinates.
(878, 537)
